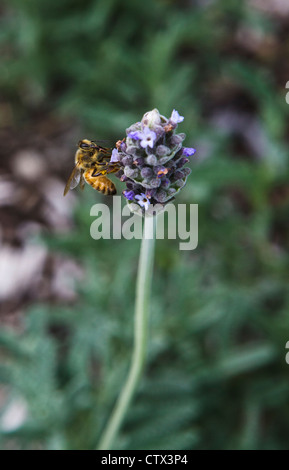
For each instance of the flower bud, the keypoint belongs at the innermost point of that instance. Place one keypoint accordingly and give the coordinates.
(151, 160)
(162, 150)
(127, 160)
(131, 172)
(146, 172)
(151, 119)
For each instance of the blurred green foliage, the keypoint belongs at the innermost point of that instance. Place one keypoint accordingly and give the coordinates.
(216, 376)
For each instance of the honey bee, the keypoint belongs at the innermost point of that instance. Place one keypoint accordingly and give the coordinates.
(92, 163)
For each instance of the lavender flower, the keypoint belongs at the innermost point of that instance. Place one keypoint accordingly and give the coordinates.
(114, 156)
(129, 195)
(176, 118)
(152, 160)
(147, 137)
(142, 200)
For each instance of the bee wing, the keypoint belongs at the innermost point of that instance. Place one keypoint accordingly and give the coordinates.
(110, 141)
(73, 180)
(82, 181)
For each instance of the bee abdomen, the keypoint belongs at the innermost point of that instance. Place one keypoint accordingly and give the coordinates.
(106, 186)
(101, 184)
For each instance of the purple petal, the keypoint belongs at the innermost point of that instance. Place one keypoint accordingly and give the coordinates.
(148, 138)
(176, 118)
(136, 135)
(123, 147)
(114, 156)
(188, 152)
(129, 195)
(143, 200)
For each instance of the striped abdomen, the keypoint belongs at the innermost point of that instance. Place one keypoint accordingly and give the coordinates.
(100, 183)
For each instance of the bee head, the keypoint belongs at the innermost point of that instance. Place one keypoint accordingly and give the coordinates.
(87, 145)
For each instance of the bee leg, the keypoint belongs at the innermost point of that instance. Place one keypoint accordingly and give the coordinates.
(112, 169)
(96, 173)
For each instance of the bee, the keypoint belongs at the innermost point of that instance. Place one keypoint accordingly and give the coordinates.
(92, 164)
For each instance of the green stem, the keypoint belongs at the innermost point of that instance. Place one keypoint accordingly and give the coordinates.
(141, 320)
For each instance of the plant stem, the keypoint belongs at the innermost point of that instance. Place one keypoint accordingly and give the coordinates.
(141, 320)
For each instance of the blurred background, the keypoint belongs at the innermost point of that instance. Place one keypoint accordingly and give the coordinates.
(216, 376)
